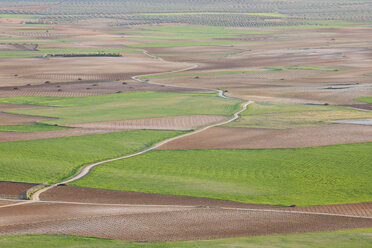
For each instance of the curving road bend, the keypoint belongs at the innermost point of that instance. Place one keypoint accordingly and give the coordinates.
(86, 170)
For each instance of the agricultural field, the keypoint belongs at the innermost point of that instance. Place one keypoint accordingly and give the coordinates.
(284, 116)
(125, 106)
(351, 238)
(166, 123)
(52, 160)
(307, 176)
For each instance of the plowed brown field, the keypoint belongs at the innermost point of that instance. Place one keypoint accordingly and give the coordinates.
(17, 72)
(167, 123)
(156, 223)
(251, 138)
(78, 194)
(14, 190)
(357, 209)
(15, 136)
(13, 119)
(88, 88)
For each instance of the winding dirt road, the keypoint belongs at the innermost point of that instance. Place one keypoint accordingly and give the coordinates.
(35, 196)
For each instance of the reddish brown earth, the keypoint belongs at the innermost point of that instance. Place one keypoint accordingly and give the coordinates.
(88, 88)
(253, 138)
(357, 209)
(21, 71)
(14, 190)
(16, 136)
(163, 123)
(29, 7)
(14, 119)
(156, 223)
(367, 106)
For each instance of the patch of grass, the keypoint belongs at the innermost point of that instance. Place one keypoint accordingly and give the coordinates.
(214, 13)
(189, 32)
(204, 73)
(365, 99)
(39, 127)
(306, 176)
(191, 43)
(52, 160)
(193, 54)
(282, 116)
(301, 67)
(345, 239)
(124, 106)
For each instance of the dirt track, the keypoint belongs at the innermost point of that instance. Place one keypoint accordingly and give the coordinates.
(252, 138)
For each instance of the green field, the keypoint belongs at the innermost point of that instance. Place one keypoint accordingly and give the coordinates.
(189, 32)
(302, 67)
(191, 43)
(52, 160)
(31, 128)
(356, 238)
(193, 54)
(19, 16)
(124, 106)
(204, 73)
(282, 116)
(304, 176)
(365, 99)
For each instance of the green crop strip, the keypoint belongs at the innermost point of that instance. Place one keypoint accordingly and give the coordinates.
(365, 99)
(124, 106)
(301, 67)
(53, 160)
(336, 239)
(205, 73)
(32, 128)
(304, 176)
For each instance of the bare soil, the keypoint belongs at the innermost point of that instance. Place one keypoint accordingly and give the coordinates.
(154, 223)
(17, 136)
(367, 106)
(188, 122)
(21, 71)
(88, 88)
(14, 119)
(14, 190)
(253, 138)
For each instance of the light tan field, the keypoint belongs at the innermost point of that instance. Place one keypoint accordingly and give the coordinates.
(17, 136)
(18, 72)
(254, 138)
(164, 123)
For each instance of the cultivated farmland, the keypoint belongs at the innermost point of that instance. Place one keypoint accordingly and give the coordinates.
(166, 123)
